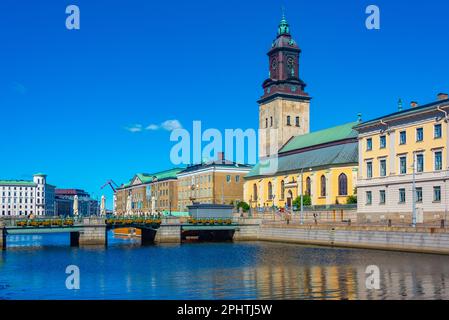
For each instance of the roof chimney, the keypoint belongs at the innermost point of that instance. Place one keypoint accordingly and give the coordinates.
(442, 96)
(220, 156)
(413, 104)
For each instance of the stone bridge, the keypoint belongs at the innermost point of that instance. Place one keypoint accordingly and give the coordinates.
(93, 230)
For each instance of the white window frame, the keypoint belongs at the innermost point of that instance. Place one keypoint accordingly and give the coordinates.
(366, 169)
(434, 158)
(416, 134)
(423, 164)
(399, 163)
(380, 167)
(441, 130)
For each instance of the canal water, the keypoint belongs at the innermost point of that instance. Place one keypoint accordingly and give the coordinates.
(33, 267)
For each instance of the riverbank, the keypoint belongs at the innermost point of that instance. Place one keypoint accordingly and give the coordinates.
(406, 239)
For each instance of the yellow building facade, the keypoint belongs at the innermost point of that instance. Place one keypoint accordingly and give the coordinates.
(399, 148)
(148, 193)
(322, 165)
(214, 182)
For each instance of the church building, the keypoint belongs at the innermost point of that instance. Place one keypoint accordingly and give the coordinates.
(293, 161)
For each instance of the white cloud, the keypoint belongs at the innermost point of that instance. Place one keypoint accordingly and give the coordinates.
(168, 125)
(18, 88)
(135, 128)
(152, 127)
(171, 125)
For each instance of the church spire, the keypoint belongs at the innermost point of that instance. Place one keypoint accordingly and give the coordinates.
(284, 28)
(283, 76)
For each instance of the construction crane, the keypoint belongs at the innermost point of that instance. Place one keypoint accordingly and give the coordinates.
(111, 183)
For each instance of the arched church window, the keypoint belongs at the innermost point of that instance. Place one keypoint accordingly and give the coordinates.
(342, 185)
(255, 192)
(270, 191)
(308, 186)
(323, 186)
(282, 189)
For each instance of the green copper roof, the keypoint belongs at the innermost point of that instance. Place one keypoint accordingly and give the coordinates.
(337, 133)
(327, 156)
(148, 177)
(17, 183)
(126, 185)
(163, 175)
(283, 28)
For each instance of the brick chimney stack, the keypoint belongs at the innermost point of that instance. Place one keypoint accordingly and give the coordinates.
(221, 157)
(442, 96)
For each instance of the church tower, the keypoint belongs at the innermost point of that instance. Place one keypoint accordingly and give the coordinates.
(284, 106)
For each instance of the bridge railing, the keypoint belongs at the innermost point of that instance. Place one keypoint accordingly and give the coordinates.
(210, 221)
(132, 220)
(43, 221)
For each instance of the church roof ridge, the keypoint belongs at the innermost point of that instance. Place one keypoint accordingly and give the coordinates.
(332, 134)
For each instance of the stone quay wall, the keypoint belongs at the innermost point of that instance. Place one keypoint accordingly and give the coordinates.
(420, 239)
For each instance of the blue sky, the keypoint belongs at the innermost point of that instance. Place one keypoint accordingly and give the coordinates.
(67, 97)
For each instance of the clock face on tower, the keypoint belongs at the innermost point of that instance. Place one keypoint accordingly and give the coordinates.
(290, 62)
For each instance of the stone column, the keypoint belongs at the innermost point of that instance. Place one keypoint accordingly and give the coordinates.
(94, 232)
(329, 190)
(276, 192)
(261, 196)
(361, 162)
(312, 187)
(169, 231)
(2, 235)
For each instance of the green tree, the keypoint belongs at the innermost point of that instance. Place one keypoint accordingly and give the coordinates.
(306, 201)
(351, 199)
(243, 205)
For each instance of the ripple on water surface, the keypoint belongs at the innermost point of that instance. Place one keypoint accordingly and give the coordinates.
(33, 267)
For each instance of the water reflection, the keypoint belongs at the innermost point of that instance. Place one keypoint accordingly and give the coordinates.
(215, 271)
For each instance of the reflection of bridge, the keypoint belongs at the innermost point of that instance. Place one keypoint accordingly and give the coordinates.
(93, 230)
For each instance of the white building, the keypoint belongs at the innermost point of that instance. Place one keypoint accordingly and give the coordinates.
(20, 197)
(404, 164)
